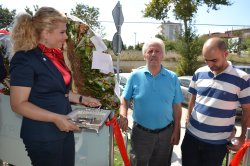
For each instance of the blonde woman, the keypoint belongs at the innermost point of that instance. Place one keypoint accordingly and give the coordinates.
(40, 84)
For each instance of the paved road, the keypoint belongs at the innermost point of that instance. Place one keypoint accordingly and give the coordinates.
(176, 157)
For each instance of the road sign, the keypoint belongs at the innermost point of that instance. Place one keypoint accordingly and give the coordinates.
(118, 16)
(117, 47)
(117, 43)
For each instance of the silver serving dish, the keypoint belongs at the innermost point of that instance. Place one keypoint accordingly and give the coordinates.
(91, 118)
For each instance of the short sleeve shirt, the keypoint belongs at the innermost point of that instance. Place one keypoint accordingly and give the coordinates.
(153, 97)
(217, 96)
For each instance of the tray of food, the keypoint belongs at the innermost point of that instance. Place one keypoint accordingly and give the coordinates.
(91, 118)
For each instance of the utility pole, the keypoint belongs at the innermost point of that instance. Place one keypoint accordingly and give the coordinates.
(135, 40)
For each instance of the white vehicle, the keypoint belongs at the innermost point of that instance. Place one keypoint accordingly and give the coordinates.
(245, 69)
(184, 82)
(123, 78)
(133, 70)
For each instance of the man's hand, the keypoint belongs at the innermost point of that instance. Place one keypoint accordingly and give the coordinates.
(236, 147)
(244, 124)
(123, 120)
(175, 138)
(123, 123)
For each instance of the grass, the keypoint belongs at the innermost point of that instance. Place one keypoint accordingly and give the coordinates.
(237, 58)
(137, 55)
(224, 161)
(172, 56)
(119, 162)
(117, 156)
(231, 57)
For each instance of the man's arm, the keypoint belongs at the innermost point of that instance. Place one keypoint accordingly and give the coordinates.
(191, 106)
(177, 111)
(245, 122)
(123, 120)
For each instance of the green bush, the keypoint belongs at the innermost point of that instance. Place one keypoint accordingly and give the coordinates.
(169, 45)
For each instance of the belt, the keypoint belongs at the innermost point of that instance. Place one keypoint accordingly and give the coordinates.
(153, 131)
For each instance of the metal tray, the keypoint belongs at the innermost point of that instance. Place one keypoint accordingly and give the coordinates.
(91, 118)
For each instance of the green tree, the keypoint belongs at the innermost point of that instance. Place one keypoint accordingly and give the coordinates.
(232, 44)
(161, 37)
(184, 10)
(89, 15)
(124, 47)
(169, 45)
(238, 33)
(187, 63)
(108, 44)
(242, 43)
(130, 47)
(36, 8)
(6, 17)
(27, 9)
(101, 32)
(138, 47)
(248, 43)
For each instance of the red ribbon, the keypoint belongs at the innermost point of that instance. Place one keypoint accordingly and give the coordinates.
(2, 91)
(240, 154)
(119, 140)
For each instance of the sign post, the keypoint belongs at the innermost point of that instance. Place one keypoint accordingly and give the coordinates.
(117, 40)
(117, 47)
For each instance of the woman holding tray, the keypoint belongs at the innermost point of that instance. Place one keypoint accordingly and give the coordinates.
(40, 84)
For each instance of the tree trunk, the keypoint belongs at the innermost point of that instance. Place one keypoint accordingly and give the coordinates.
(187, 42)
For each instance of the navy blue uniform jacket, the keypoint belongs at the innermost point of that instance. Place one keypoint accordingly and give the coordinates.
(48, 91)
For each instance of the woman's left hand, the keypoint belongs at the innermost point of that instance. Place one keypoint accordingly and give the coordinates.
(91, 102)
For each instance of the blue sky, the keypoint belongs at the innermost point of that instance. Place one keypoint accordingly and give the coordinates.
(237, 14)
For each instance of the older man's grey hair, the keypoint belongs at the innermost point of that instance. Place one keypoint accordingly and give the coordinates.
(153, 40)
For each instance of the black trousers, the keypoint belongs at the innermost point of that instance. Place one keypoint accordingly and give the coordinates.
(199, 153)
(52, 153)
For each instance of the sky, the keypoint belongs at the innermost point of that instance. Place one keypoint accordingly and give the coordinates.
(132, 33)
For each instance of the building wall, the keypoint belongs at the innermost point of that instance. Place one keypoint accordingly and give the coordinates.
(168, 30)
(246, 31)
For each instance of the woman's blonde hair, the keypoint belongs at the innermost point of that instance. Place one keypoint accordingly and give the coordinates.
(26, 30)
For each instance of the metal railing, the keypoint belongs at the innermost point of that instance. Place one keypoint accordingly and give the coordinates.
(246, 159)
(125, 138)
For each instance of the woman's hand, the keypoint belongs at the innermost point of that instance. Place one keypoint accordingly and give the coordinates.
(64, 124)
(89, 101)
(92, 102)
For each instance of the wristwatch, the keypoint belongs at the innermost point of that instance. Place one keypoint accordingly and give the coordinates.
(80, 99)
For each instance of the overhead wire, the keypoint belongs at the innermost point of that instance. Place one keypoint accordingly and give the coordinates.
(175, 23)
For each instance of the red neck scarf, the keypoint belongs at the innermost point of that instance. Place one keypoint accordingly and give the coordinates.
(56, 56)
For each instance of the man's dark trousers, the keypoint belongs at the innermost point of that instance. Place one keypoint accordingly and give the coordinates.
(199, 153)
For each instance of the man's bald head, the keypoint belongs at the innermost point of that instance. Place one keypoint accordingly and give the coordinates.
(215, 43)
(215, 54)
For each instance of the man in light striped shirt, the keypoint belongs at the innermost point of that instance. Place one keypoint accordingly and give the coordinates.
(215, 91)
